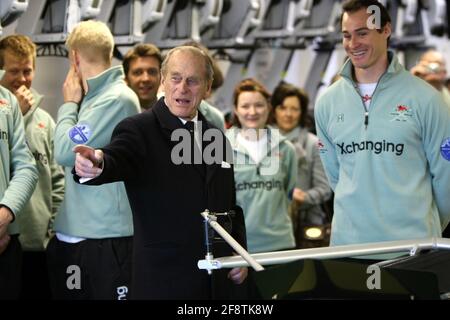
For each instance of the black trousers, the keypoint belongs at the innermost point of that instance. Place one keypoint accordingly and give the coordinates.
(35, 282)
(93, 269)
(446, 232)
(10, 270)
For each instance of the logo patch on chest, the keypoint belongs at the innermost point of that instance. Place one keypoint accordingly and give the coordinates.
(5, 107)
(401, 113)
(41, 125)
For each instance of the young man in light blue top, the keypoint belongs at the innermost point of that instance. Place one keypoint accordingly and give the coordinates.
(18, 59)
(18, 177)
(94, 224)
(384, 140)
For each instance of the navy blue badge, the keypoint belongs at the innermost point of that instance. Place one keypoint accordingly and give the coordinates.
(80, 133)
(445, 149)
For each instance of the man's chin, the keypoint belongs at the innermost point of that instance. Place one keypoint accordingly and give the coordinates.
(184, 115)
(361, 63)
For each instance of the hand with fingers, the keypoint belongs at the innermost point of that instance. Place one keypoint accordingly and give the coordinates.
(432, 73)
(4, 241)
(72, 88)
(299, 195)
(238, 275)
(6, 216)
(88, 161)
(25, 98)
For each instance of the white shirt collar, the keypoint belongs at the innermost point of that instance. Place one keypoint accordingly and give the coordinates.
(194, 119)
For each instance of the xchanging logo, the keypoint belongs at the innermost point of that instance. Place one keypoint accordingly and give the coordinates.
(376, 146)
(266, 185)
(4, 135)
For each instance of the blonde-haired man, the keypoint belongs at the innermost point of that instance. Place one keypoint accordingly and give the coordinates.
(90, 256)
(18, 59)
(94, 40)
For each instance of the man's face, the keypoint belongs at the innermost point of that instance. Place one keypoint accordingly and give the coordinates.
(143, 77)
(185, 84)
(365, 47)
(18, 72)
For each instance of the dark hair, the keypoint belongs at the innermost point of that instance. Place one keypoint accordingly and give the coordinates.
(284, 90)
(248, 85)
(351, 6)
(141, 51)
(218, 77)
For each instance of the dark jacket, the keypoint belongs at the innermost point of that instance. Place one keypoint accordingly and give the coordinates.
(166, 200)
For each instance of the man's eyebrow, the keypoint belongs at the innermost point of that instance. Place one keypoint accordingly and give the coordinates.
(357, 30)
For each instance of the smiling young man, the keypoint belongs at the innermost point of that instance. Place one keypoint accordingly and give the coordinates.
(18, 59)
(384, 139)
(141, 65)
(18, 177)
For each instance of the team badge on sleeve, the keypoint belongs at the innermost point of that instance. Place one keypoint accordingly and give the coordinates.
(445, 149)
(80, 133)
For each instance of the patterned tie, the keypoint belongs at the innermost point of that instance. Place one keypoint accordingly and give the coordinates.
(189, 125)
(195, 149)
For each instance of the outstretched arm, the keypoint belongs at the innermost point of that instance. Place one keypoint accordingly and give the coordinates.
(88, 161)
(122, 159)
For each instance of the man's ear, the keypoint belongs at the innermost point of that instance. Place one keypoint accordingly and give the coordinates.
(76, 60)
(208, 90)
(387, 30)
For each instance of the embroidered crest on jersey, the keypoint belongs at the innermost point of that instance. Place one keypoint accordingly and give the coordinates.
(401, 113)
(41, 125)
(321, 147)
(366, 98)
(445, 149)
(80, 133)
(5, 107)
